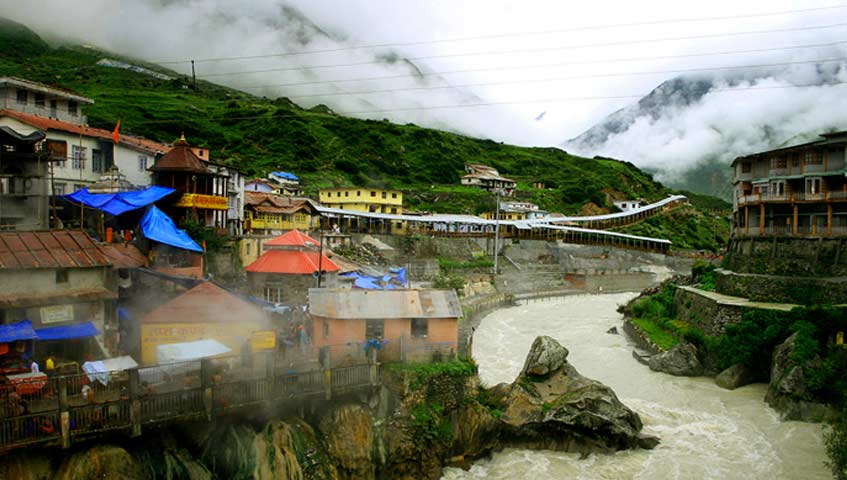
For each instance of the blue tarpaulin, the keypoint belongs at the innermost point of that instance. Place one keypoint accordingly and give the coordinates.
(159, 227)
(391, 281)
(118, 203)
(67, 332)
(286, 175)
(16, 331)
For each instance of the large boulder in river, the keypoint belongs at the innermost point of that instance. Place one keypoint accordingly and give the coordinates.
(735, 376)
(100, 461)
(681, 360)
(550, 405)
(787, 392)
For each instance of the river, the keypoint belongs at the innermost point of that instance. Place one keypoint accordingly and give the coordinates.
(706, 431)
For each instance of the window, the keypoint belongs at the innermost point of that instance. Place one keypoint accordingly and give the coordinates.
(373, 194)
(384, 195)
(273, 294)
(779, 162)
(393, 210)
(795, 161)
(61, 276)
(142, 163)
(72, 107)
(53, 108)
(746, 167)
(813, 185)
(77, 157)
(346, 194)
(22, 96)
(97, 163)
(59, 188)
(326, 328)
(358, 193)
(393, 195)
(420, 327)
(374, 328)
(39, 100)
(813, 158)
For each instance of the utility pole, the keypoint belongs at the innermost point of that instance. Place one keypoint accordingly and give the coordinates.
(320, 259)
(496, 229)
(193, 77)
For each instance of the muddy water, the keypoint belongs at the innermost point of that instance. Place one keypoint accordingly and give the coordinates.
(706, 432)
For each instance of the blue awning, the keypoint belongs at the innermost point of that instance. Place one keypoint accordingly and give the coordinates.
(393, 280)
(286, 175)
(67, 332)
(159, 227)
(118, 203)
(16, 331)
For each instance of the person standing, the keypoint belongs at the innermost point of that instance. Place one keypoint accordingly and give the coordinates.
(34, 367)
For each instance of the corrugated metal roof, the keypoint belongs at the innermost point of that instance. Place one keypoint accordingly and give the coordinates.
(206, 303)
(294, 238)
(50, 249)
(291, 262)
(124, 255)
(401, 303)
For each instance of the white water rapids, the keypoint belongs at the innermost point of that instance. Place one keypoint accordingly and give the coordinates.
(706, 432)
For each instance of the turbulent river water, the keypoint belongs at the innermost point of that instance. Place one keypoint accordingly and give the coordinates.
(706, 432)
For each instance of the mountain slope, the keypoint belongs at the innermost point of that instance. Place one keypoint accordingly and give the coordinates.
(688, 129)
(258, 135)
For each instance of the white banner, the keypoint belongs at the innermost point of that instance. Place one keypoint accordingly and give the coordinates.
(57, 313)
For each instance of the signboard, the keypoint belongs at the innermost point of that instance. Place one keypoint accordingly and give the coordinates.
(263, 340)
(196, 200)
(232, 335)
(57, 313)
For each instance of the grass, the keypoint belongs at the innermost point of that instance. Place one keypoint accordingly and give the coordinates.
(661, 337)
(685, 226)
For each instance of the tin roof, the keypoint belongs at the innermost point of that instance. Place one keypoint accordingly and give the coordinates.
(407, 303)
(180, 158)
(206, 303)
(292, 262)
(50, 249)
(124, 255)
(45, 123)
(294, 238)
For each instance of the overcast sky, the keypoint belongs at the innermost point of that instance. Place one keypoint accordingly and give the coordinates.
(546, 66)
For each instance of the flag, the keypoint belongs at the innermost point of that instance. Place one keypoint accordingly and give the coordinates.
(115, 135)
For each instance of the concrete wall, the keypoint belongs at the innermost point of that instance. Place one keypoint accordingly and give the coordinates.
(704, 313)
(801, 257)
(43, 280)
(782, 289)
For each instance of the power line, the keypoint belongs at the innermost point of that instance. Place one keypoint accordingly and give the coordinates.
(508, 35)
(273, 116)
(572, 77)
(548, 49)
(536, 66)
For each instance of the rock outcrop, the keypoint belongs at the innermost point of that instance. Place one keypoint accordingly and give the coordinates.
(100, 461)
(735, 376)
(550, 405)
(787, 392)
(681, 360)
(349, 434)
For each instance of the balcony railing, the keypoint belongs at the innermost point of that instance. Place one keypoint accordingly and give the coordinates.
(792, 197)
(788, 231)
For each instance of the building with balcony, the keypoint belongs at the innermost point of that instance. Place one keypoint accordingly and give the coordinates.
(372, 200)
(86, 153)
(793, 191)
(516, 211)
(271, 214)
(202, 186)
(488, 178)
(24, 184)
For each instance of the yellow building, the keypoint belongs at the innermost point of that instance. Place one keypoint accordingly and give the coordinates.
(270, 214)
(357, 199)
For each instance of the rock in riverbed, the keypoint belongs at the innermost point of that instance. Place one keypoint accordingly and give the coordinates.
(681, 360)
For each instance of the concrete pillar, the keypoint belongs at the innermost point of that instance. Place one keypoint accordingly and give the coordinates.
(828, 219)
(794, 224)
(761, 219)
(64, 414)
(746, 220)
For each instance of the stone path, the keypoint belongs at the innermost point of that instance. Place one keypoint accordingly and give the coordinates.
(739, 301)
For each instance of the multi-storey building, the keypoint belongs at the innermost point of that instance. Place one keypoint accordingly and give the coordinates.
(87, 152)
(792, 191)
(24, 183)
(488, 178)
(373, 200)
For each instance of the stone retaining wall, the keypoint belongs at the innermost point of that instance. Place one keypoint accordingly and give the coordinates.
(705, 313)
(782, 289)
(805, 257)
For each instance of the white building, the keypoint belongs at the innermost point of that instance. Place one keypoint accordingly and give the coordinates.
(88, 152)
(627, 205)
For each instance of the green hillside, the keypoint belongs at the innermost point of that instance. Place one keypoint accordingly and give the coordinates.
(258, 135)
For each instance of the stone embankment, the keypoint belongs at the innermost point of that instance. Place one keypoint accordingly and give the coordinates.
(419, 420)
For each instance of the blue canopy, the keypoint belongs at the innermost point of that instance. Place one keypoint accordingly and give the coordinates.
(118, 203)
(16, 331)
(159, 227)
(286, 175)
(391, 281)
(67, 332)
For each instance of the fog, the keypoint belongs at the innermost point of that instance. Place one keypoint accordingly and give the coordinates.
(543, 71)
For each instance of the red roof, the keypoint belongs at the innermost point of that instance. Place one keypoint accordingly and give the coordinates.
(294, 238)
(50, 249)
(292, 262)
(123, 255)
(206, 303)
(45, 123)
(180, 158)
